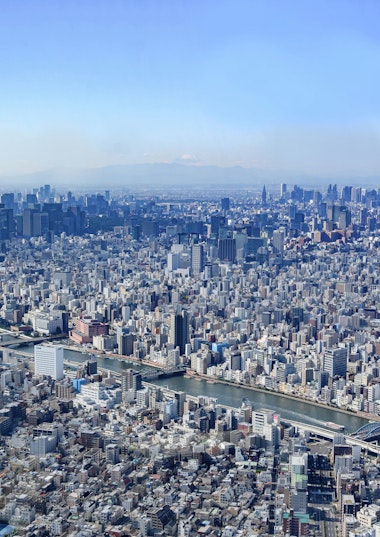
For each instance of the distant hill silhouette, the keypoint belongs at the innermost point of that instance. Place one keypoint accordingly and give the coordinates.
(171, 174)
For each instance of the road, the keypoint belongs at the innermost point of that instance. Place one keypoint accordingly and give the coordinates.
(330, 523)
(325, 433)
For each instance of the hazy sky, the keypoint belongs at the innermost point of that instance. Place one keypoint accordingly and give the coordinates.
(273, 84)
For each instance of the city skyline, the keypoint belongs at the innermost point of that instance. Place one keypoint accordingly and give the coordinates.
(210, 363)
(276, 88)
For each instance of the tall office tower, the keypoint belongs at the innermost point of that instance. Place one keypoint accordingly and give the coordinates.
(179, 330)
(337, 209)
(317, 198)
(264, 196)
(298, 482)
(344, 218)
(136, 232)
(55, 215)
(40, 224)
(217, 220)
(332, 193)
(297, 193)
(335, 362)
(346, 194)
(363, 216)
(266, 423)
(322, 210)
(48, 360)
(27, 222)
(131, 381)
(125, 342)
(174, 261)
(6, 223)
(225, 204)
(9, 200)
(180, 398)
(356, 194)
(227, 250)
(31, 199)
(283, 190)
(46, 192)
(260, 419)
(197, 258)
(278, 241)
(330, 211)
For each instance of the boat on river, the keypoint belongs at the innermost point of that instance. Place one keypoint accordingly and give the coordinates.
(335, 426)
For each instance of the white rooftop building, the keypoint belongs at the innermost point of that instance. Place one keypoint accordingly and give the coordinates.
(48, 360)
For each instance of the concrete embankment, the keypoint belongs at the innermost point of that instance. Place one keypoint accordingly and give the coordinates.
(369, 417)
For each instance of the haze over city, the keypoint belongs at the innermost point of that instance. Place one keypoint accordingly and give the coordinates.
(279, 89)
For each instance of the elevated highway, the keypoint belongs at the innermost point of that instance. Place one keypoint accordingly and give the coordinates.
(329, 435)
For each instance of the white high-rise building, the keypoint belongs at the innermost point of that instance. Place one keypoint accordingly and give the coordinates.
(48, 360)
(335, 361)
(197, 258)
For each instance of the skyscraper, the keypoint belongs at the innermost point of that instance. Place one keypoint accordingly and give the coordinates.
(227, 250)
(197, 258)
(264, 196)
(180, 398)
(217, 220)
(225, 204)
(48, 360)
(179, 330)
(278, 241)
(27, 222)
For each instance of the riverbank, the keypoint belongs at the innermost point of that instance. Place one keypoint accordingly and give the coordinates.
(369, 417)
(113, 356)
(216, 380)
(232, 394)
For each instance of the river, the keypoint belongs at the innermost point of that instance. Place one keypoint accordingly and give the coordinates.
(290, 409)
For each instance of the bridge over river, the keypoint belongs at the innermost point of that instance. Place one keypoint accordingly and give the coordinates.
(290, 409)
(147, 373)
(352, 440)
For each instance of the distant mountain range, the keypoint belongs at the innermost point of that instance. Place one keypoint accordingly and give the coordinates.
(137, 176)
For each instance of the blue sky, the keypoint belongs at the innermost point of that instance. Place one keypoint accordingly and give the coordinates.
(272, 84)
